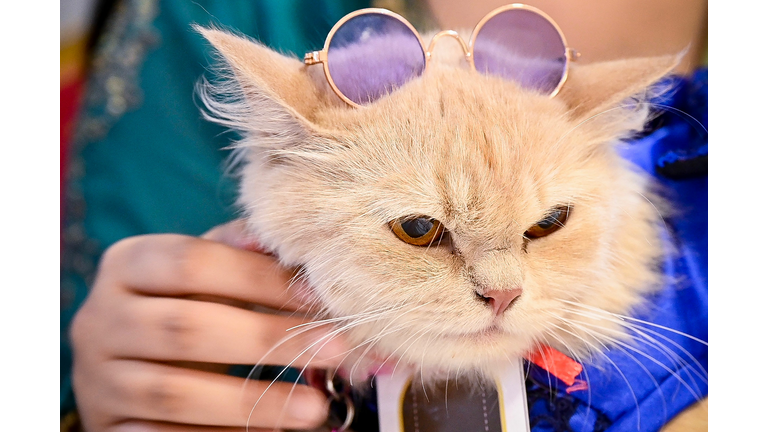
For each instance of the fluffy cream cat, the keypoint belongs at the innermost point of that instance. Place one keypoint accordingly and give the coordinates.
(326, 186)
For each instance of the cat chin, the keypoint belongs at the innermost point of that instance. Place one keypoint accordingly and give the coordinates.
(471, 354)
(477, 370)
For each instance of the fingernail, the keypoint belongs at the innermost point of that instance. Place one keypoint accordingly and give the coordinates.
(309, 407)
(251, 244)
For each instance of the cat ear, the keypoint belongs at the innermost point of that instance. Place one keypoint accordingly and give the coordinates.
(263, 92)
(597, 87)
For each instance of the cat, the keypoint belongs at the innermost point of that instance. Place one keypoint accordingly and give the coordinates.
(530, 194)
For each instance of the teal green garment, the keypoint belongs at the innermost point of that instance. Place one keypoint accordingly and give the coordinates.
(144, 160)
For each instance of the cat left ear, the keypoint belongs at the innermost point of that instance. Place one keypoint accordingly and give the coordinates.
(596, 88)
(265, 90)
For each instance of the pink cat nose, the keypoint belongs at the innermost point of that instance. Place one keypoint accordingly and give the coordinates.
(500, 300)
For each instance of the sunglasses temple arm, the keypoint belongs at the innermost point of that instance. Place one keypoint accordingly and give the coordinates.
(315, 57)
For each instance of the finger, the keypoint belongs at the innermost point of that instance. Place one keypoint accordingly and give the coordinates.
(162, 393)
(174, 265)
(235, 234)
(151, 426)
(188, 330)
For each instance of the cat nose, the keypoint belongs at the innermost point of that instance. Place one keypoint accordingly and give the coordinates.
(500, 300)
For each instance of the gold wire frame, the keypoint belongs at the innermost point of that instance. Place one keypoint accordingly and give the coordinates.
(314, 57)
(570, 53)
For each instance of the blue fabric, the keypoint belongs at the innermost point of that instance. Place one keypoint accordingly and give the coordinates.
(655, 385)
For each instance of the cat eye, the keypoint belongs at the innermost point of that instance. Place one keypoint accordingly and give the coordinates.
(418, 231)
(554, 221)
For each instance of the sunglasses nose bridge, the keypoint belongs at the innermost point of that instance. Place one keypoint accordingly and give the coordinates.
(454, 35)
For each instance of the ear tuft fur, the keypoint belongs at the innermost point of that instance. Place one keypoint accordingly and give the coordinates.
(595, 88)
(260, 93)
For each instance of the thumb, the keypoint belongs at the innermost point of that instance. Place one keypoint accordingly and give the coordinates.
(235, 234)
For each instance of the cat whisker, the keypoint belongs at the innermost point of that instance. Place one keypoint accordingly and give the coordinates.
(670, 355)
(371, 341)
(578, 358)
(417, 335)
(643, 332)
(302, 328)
(629, 318)
(339, 319)
(696, 394)
(447, 382)
(421, 372)
(604, 355)
(383, 332)
(683, 114)
(345, 328)
(539, 346)
(329, 337)
(658, 212)
(578, 325)
(299, 375)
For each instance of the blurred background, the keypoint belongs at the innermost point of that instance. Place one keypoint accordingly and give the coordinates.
(78, 21)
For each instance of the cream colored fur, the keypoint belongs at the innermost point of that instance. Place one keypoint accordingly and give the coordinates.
(321, 181)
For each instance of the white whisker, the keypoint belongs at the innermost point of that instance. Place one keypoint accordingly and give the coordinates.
(619, 343)
(646, 338)
(629, 318)
(601, 352)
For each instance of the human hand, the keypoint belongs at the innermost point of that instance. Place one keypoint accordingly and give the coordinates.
(167, 312)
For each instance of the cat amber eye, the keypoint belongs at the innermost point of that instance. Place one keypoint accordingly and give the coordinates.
(371, 52)
(554, 221)
(418, 231)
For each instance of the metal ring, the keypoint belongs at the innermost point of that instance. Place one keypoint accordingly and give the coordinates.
(350, 414)
(335, 395)
(329, 387)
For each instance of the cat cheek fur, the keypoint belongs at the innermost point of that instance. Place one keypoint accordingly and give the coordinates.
(320, 181)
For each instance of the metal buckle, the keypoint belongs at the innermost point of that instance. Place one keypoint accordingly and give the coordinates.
(339, 397)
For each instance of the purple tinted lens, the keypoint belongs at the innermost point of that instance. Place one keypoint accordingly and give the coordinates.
(522, 46)
(373, 54)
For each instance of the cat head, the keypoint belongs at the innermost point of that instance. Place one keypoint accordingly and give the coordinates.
(539, 221)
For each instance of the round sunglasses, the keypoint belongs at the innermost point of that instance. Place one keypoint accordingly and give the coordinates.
(371, 52)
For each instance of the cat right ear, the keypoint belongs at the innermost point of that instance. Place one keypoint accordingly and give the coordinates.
(261, 92)
(597, 88)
